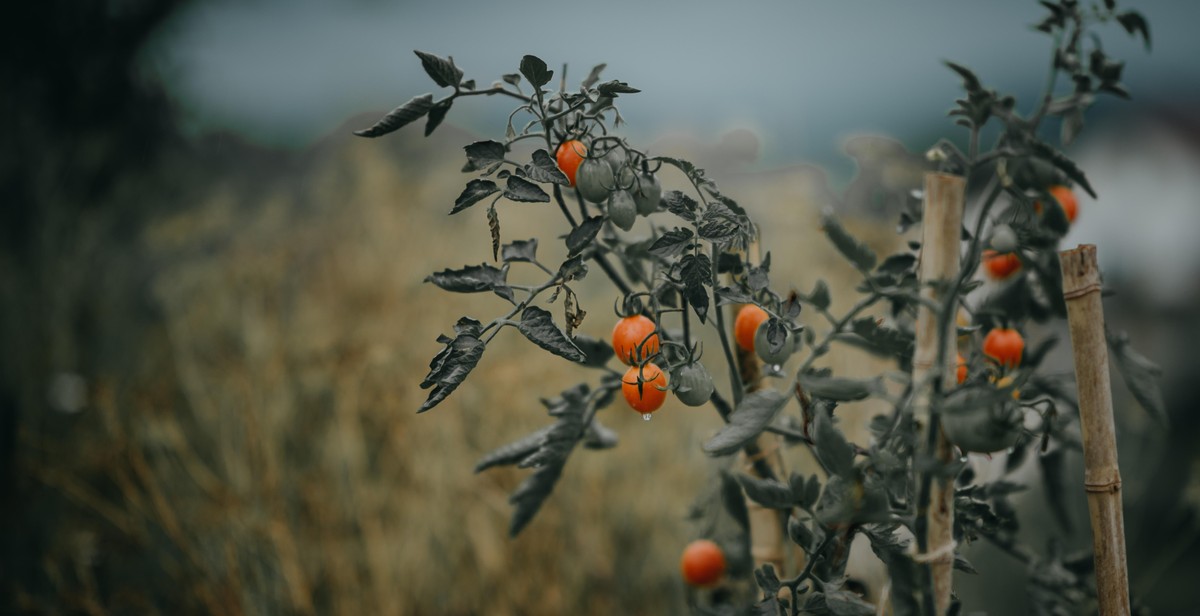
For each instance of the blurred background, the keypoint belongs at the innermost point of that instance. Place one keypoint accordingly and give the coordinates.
(214, 323)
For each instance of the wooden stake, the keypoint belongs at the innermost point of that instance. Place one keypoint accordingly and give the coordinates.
(941, 236)
(1102, 476)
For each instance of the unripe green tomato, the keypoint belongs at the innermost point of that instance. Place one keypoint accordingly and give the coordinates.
(982, 429)
(1004, 239)
(621, 209)
(646, 193)
(595, 180)
(692, 383)
(778, 355)
(616, 159)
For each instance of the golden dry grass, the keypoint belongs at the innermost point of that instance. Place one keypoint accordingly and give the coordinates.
(260, 452)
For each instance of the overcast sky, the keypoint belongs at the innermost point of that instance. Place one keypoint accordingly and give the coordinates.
(801, 73)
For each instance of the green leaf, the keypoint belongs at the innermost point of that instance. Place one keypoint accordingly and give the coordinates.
(735, 504)
(569, 408)
(672, 243)
(719, 226)
(512, 452)
(1054, 480)
(829, 445)
(752, 416)
(529, 496)
(524, 251)
(441, 70)
(483, 154)
(476, 191)
(414, 109)
(470, 279)
(1140, 374)
(493, 218)
(599, 436)
(594, 76)
(839, 389)
(581, 237)
(1134, 23)
(800, 534)
(436, 114)
(613, 88)
(544, 169)
(769, 493)
(450, 367)
(696, 272)
(681, 205)
(596, 352)
(970, 81)
(535, 71)
(880, 340)
(538, 326)
(767, 579)
(1064, 164)
(524, 191)
(858, 253)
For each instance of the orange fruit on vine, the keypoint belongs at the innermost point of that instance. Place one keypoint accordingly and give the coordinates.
(745, 326)
(569, 155)
(703, 563)
(630, 332)
(960, 371)
(653, 388)
(1065, 197)
(1001, 265)
(1004, 345)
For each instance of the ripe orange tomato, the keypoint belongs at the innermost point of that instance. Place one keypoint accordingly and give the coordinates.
(746, 325)
(1005, 346)
(961, 371)
(631, 331)
(654, 386)
(703, 563)
(569, 155)
(1065, 198)
(1001, 265)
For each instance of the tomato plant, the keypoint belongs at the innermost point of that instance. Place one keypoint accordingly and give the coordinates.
(701, 256)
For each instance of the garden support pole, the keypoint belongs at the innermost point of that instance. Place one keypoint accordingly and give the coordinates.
(940, 241)
(1102, 476)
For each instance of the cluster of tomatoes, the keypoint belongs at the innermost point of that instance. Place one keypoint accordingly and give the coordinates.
(1002, 261)
(611, 179)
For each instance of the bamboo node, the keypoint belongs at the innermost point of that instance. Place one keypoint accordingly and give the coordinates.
(1081, 291)
(1105, 487)
(944, 554)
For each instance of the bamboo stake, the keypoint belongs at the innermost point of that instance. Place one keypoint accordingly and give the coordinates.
(941, 236)
(1102, 476)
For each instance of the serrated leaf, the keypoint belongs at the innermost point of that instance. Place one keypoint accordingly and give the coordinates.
(513, 452)
(436, 114)
(1134, 23)
(524, 251)
(883, 341)
(414, 109)
(493, 218)
(470, 279)
(476, 191)
(581, 237)
(672, 243)
(614, 88)
(829, 444)
(535, 71)
(441, 70)
(839, 389)
(769, 493)
(1141, 376)
(767, 579)
(596, 352)
(799, 533)
(751, 417)
(529, 496)
(599, 436)
(696, 272)
(523, 191)
(1064, 164)
(538, 326)
(544, 169)
(558, 443)
(453, 363)
(484, 154)
(732, 295)
(719, 229)
(680, 205)
(594, 75)
(858, 253)
(970, 81)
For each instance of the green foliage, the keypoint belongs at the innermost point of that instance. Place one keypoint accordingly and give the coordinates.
(699, 235)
